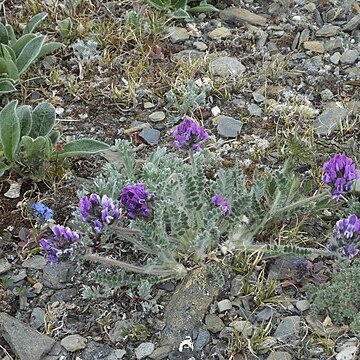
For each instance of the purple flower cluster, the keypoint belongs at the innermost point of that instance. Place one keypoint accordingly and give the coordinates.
(41, 212)
(346, 236)
(188, 134)
(223, 204)
(340, 172)
(61, 245)
(98, 211)
(135, 199)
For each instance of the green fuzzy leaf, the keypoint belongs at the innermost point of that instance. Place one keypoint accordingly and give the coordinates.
(11, 33)
(49, 48)
(8, 69)
(21, 42)
(4, 35)
(25, 119)
(180, 14)
(203, 8)
(81, 147)
(34, 22)
(159, 4)
(3, 168)
(43, 120)
(9, 130)
(39, 148)
(6, 86)
(29, 53)
(54, 137)
(65, 27)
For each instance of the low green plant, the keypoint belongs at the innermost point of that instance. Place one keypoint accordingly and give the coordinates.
(17, 54)
(340, 298)
(28, 141)
(180, 9)
(185, 223)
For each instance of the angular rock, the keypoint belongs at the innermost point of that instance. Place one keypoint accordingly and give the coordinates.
(233, 14)
(36, 262)
(214, 323)
(55, 276)
(352, 24)
(188, 306)
(244, 327)
(219, 33)
(254, 110)
(225, 66)
(289, 328)
(73, 342)
(349, 57)
(97, 351)
(327, 31)
(202, 339)
(229, 127)
(303, 305)
(5, 266)
(178, 34)
(199, 45)
(279, 355)
(37, 318)
(335, 58)
(224, 305)
(25, 342)
(119, 330)
(333, 45)
(144, 350)
(349, 353)
(150, 136)
(315, 46)
(160, 353)
(330, 118)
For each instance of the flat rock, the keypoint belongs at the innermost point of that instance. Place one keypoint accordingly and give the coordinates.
(21, 338)
(199, 45)
(225, 66)
(187, 307)
(144, 350)
(279, 355)
(303, 305)
(244, 327)
(73, 342)
(327, 31)
(335, 58)
(224, 305)
(349, 57)
(229, 127)
(188, 56)
(150, 136)
(352, 24)
(237, 14)
(97, 351)
(5, 266)
(315, 46)
(36, 262)
(178, 34)
(55, 276)
(157, 116)
(202, 339)
(288, 328)
(254, 110)
(118, 332)
(214, 323)
(330, 118)
(219, 33)
(160, 353)
(349, 353)
(37, 318)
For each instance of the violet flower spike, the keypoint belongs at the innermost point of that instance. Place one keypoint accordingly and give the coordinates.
(223, 204)
(135, 198)
(188, 134)
(340, 172)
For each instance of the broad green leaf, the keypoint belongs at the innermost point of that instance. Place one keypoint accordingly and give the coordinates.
(9, 130)
(11, 33)
(25, 119)
(159, 4)
(54, 137)
(203, 8)
(65, 27)
(29, 53)
(179, 4)
(21, 42)
(50, 47)
(4, 36)
(8, 53)
(8, 69)
(6, 86)
(81, 147)
(34, 22)
(43, 120)
(180, 14)
(3, 168)
(34, 148)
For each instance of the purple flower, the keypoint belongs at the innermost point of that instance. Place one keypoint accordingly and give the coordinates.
(340, 172)
(346, 235)
(61, 245)
(98, 211)
(223, 204)
(189, 134)
(41, 212)
(135, 198)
